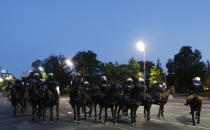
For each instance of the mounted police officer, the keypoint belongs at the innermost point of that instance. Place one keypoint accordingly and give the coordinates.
(127, 89)
(195, 89)
(85, 87)
(36, 80)
(142, 87)
(158, 89)
(104, 87)
(52, 85)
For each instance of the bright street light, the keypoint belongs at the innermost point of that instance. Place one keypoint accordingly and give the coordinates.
(142, 47)
(69, 63)
(41, 69)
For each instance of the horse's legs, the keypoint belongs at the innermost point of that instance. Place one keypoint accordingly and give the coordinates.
(105, 119)
(74, 107)
(91, 109)
(85, 112)
(159, 111)
(14, 110)
(148, 111)
(134, 113)
(78, 112)
(51, 113)
(100, 113)
(193, 118)
(44, 114)
(57, 112)
(162, 110)
(95, 111)
(113, 114)
(198, 116)
(118, 112)
(33, 112)
(145, 111)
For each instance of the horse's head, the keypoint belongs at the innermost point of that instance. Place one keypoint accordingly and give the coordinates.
(172, 90)
(116, 89)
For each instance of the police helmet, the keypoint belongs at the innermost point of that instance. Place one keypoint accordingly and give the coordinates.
(197, 79)
(50, 74)
(129, 80)
(155, 82)
(103, 78)
(141, 80)
(36, 74)
(86, 83)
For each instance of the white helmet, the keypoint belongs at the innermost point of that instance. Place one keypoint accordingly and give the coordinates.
(141, 80)
(104, 78)
(86, 83)
(129, 80)
(197, 79)
(43, 80)
(50, 74)
(160, 85)
(155, 82)
(36, 74)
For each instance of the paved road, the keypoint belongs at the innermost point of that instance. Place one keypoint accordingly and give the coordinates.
(176, 118)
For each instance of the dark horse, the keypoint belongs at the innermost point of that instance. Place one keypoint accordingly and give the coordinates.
(108, 100)
(76, 97)
(90, 100)
(35, 101)
(48, 100)
(13, 99)
(195, 105)
(134, 102)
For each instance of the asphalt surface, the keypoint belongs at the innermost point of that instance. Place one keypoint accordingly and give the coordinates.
(176, 117)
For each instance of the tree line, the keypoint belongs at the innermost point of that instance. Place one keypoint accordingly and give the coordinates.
(185, 65)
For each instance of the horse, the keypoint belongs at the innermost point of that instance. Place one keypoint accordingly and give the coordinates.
(76, 97)
(147, 103)
(195, 106)
(35, 101)
(48, 100)
(90, 100)
(134, 102)
(109, 101)
(13, 99)
(164, 99)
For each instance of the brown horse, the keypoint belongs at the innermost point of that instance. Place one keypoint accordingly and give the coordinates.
(195, 105)
(48, 100)
(76, 98)
(164, 99)
(35, 101)
(13, 99)
(89, 101)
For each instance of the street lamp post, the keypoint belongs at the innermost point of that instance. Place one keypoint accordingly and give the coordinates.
(165, 71)
(141, 47)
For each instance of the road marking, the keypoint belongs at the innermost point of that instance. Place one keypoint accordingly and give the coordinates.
(201, 127)
(185, 108)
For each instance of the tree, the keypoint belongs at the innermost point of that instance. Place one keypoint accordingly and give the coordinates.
(36, 64)
(185, 66)
(56, 65)
(132, 70)
(112, 71)
(155, 75)
(86, 64)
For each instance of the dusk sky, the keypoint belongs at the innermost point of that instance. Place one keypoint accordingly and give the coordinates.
(31, 30)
